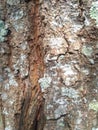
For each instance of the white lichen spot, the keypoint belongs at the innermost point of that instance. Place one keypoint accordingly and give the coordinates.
(4, 96)
(56, 41)
(54, 24)
(49, 106)
(11, 101)
(17, 14)
(72, 40)
(24, 72)
(45, 83)
(69, 74)
(87, 50)
(91, 61)
(87, 21)
(20, 26)
(67, 69)
(85, 71)
(8, 128)
(61, 110)
(23, 65)
(13, 2)
(94, 11)
(22, 57)
(60, 101)
(24, 45)
(78, 121)
(6, 86)
(69, 92)
(76, 27)
(94, 106)
(60, 123)
(5, 111)
(68, 81)
(12, 81)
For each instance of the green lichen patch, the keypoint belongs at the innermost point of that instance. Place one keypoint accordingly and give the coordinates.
(2, 39)
(94, 11)
(13, 2)
(3, 31)
(87, 51)
(1, 24)
(94, 106)
(69, 92)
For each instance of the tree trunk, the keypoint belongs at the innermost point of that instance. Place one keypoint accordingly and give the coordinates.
(21, 65)
(70, 83)
(48, 65)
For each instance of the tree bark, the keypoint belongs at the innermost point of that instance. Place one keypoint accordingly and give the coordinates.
(21, 65)
(48, 65)
(70, 78)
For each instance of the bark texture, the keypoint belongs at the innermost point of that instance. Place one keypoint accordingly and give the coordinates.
(48, 65)
(21, 65)
(70, 82)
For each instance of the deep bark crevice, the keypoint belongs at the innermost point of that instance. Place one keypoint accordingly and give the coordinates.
(36, 71)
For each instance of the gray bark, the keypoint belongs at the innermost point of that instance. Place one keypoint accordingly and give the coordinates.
(69, 83)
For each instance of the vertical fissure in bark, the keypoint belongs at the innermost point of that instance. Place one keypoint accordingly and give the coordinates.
(33, 100)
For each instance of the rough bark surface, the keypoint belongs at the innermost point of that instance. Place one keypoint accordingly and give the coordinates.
(21, 65)
(48, 49)
(70, 82)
